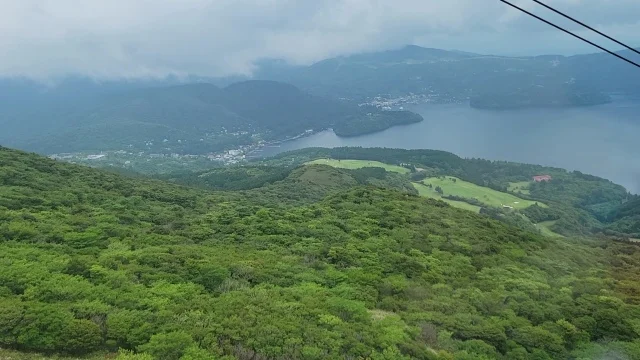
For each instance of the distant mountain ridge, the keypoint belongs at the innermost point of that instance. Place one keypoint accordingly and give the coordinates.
(455, 76)
(407, 54)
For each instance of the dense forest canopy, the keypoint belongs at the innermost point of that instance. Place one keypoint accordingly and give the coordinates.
(320, 263)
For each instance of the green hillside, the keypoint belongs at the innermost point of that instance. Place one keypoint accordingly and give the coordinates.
(286, 185)
(545, 228)
(93, 261)
(580, 204)
(451, 187)
(500, 205)
(626, 219)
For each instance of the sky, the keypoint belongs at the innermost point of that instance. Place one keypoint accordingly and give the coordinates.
(107, 39)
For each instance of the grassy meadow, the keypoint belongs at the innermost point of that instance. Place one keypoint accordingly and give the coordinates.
(490, 197)
(522, 187)
(428, 192)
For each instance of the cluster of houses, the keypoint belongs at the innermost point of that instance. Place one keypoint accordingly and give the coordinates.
(397, 103)
(228, 157)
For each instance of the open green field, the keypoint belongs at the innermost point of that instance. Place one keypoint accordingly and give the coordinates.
(522, 186)
(427, 192)
(358, 164)
(545, 229)
(485, 195)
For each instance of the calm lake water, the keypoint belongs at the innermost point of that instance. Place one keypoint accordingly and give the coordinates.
(602, 140)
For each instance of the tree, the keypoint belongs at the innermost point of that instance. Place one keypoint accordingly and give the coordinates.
(130, 355)
(81, 336)
(168, 346)
(195, 353)
(439, 190)
(129, 328)
(43, 328)
(11, 313)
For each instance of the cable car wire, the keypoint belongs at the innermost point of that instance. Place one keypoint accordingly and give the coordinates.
(586, 26)
(571, 33)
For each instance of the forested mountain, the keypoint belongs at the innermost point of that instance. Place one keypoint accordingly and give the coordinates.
(604, 72)
(93, 261)
(194, 118)
(30, 108)
(451, 76)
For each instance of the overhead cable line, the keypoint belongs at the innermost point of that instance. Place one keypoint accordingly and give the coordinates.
(587, 26)
(572, 34)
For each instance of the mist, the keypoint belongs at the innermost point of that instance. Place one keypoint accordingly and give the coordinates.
(128, 39)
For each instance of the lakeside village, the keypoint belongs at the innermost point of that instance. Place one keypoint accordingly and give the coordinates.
(398, 103)
(129, 158)
(227, 157)
(135, 157)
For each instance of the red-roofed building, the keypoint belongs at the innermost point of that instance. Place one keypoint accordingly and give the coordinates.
(541, 178)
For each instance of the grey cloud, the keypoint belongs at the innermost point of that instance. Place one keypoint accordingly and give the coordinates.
(134, 38)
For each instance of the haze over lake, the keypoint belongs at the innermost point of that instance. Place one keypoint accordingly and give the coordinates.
(602, 140)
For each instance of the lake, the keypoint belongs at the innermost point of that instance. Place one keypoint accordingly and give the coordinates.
(602, 140)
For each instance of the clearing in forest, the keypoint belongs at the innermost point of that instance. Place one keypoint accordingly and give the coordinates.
(452, 186)
(358, 164)
(545, 229)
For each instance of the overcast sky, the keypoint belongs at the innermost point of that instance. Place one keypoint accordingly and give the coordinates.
(137, 38)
